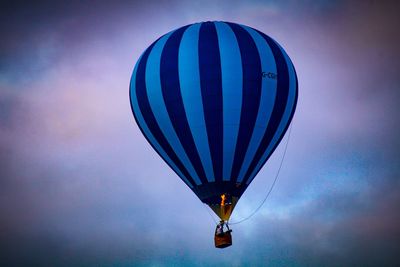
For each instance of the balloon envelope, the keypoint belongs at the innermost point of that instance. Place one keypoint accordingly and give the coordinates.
(214, 99)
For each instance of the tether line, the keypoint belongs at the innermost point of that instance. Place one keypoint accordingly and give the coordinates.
(272, 186)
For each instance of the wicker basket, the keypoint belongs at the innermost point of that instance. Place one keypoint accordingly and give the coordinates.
(224, 240)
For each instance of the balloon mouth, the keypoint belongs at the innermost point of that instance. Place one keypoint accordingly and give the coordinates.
(220, 196)
(225, 208)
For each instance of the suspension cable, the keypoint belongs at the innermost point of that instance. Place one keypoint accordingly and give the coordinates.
(272, 186)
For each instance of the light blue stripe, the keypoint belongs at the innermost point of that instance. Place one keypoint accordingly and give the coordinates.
(286, 115)
(268, 93)
(154, 93)
(147, 131)
(189, 79)
(232, 89)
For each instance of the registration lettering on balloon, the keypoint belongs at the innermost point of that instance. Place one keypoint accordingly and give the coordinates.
(270, 75)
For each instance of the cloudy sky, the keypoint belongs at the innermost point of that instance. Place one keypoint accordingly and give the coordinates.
(80, 186)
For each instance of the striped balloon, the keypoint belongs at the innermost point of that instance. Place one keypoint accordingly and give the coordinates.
(214, 99)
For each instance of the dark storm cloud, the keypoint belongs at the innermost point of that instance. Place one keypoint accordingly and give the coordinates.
(81, 187)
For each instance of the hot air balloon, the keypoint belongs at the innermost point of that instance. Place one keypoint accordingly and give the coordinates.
(214, 99)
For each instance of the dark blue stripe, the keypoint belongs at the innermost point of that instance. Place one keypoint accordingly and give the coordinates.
(169, 74)
(281, 100)
(252, 82)
(144, 105)
(211, 92)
